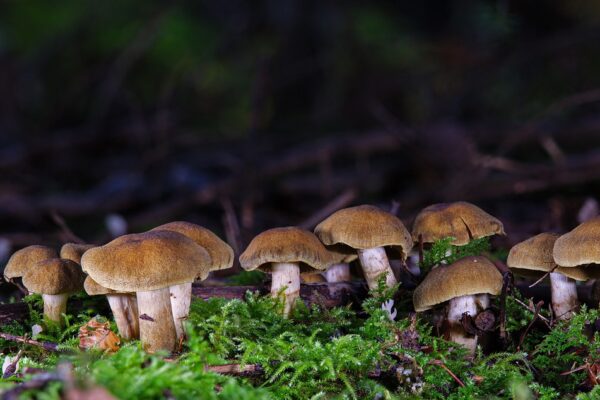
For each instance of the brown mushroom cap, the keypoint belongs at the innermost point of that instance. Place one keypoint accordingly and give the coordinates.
(534, 253)
(365, 227)
(145, 261)
(467, 276)
(54, 276)
(74, 251)
(580, 246)
(461, 220)
(23, 260)
(92, 288)
(282, 245)
(221, 253)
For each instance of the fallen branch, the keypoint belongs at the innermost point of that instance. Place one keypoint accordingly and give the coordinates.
(48, 346)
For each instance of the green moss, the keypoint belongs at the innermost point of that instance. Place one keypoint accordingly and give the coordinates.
(339, 353)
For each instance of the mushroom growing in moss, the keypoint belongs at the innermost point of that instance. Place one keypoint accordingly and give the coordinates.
(369, 231)
(123, 306)
(148, 264)
(465, 286)
(24, 260)
(579, 248)
(534, 257)
(284, 253)
(55, 279)
(461, 221)
(221, 257)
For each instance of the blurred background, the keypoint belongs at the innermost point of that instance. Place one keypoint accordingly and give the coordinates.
(240, 116)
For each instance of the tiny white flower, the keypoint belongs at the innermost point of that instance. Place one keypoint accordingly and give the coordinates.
(388, 306)
(36, 330)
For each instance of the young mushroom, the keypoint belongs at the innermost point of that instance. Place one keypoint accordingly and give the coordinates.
(461, 221)
(123, 306)
(308, 277)
(221, 257)
(368, 231)
(55, 279)
(465, 285)
(340, 270)
(284, 253)
(148, 264)
(534, 257)
(579, 248)
(24, 260)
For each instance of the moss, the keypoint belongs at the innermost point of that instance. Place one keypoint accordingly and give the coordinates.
(339, 353)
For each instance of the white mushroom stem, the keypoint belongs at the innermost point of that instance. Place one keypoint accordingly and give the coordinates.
(285, 284)
(181, 298)
(125, 311)
(374, 264)
(564, 296)
(338, 273)
(55, 305)
(157, 329)
(457, 307)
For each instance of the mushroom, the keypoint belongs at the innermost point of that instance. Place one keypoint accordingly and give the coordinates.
(308, 277)
(284, 253)
(123, 306)
(533, 257)
(465, 285)
(54, 279)
(461, 221)
(368, 230)
(340, 270)
(74, 251)
(579, 248)
(148, 264)
(221, 257)
(23, 260)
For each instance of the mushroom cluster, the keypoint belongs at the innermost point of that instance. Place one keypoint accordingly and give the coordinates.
(147, 277)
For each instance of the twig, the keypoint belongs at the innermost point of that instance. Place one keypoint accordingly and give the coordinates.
(536, 315)
(48, 346)
(441, 364)
(340, 201)
(543, 277)
(60, 221)
(541, 317)
(507, 282)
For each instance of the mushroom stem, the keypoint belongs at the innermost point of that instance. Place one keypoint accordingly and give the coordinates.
(55, 305)
(564, 296)
(181, 298)
(125, 311)
(285, 284)
(157, 329)
(338, 273)
(457, 307)
(375, 263)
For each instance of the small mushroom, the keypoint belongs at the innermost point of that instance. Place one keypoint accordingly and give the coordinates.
(149, 264)
(284, 253)
(55, 279)
(123, 306)
(461, 220)
(369, 231)
(74, 251)
(340, 270)
(221, 257)
(23, 260)
(307, 277)
(579, 248)
(533, 257)
(465, 285)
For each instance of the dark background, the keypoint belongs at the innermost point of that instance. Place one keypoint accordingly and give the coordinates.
(242, 116)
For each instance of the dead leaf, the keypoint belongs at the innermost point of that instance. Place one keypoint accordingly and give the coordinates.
(96, 334)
